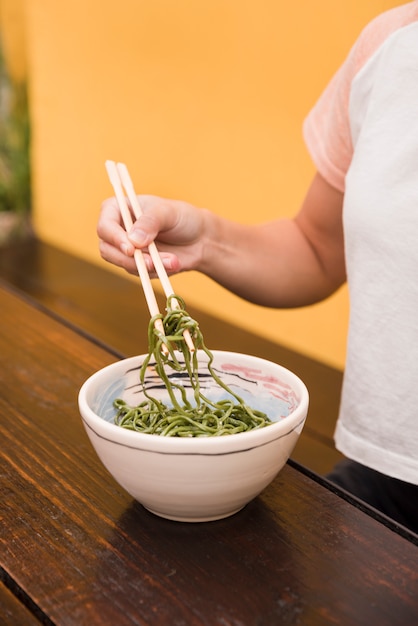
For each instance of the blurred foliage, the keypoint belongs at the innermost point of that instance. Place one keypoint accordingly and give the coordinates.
(15, 193)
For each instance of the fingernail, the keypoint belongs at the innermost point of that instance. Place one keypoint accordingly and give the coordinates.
(126, 248)
(168, 264)
(138, 236)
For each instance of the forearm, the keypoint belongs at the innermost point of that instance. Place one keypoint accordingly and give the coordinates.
(271, 264)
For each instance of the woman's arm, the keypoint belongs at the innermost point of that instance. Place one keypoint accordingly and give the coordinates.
(284, 263)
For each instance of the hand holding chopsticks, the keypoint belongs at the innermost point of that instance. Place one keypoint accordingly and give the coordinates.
(119, 178)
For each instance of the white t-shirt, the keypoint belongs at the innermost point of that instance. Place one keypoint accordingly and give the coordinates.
(363, 137)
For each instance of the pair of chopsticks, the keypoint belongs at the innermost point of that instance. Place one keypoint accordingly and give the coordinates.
(120, 179)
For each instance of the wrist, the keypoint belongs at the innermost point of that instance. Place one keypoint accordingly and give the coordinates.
(211, 242)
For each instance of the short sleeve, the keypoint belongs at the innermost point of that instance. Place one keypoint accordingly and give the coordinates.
(326, 129)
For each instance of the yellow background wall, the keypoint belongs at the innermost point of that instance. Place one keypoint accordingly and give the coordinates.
(204, 100)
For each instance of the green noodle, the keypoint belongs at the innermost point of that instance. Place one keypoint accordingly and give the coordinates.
(203, 417)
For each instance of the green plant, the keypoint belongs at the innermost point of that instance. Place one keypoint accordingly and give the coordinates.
(14, 144)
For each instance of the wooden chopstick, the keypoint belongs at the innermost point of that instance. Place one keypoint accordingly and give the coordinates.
(128, 223)
(119, 178)
(152, 248)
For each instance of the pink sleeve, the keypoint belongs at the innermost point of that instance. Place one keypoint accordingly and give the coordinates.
(327, 127)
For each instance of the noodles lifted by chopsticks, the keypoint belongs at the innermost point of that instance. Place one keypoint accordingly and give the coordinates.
(200, 418)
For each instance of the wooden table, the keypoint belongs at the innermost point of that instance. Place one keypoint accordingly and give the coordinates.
(77, 550)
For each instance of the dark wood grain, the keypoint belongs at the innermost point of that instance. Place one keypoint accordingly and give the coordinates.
(85, 553)
(112, 308)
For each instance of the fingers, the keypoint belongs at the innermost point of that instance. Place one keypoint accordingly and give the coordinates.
(175, 226)
(110, 229)
(170, 262)
(144, 231)
(115, 246)
(159, 217)
(111, 254)
(114, 255)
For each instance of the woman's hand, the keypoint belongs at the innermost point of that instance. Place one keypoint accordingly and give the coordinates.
(177, 228)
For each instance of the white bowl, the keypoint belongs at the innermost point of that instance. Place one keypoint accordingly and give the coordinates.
(197, 479)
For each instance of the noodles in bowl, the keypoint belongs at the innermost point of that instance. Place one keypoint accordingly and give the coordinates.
(187, 411)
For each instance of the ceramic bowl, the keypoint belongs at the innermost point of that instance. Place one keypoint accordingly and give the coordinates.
(198, 478)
